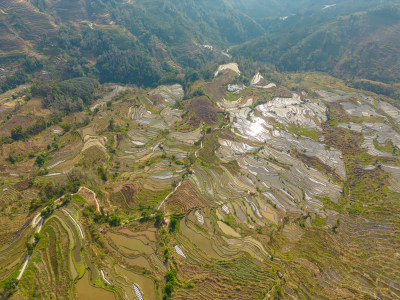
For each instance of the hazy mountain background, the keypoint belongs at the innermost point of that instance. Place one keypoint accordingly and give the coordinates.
(149, 42)
(359, 45)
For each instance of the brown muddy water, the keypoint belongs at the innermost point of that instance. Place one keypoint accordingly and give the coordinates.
(87, 292)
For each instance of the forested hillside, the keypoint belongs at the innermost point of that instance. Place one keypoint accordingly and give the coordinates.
(361, 45)
(163, 41)
(141, 42)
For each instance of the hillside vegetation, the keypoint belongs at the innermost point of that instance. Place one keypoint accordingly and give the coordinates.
(141, 42)
(362, 45)
(154, 41)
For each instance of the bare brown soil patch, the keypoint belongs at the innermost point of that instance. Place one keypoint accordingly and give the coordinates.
(18, 120)
(201, 109)
(345, 140)
(76, 118)
(21, 148)
(129, 191)
(217, 88)
(89, 196)
(361, 185)
(186, 198)
(283, 92)
(156, 99)
(21, 186)
(93, 155)
(24, 168)
(34, 106)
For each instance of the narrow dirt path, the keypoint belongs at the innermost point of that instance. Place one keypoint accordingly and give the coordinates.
(201, 147)
(84, 190)
(169, 195)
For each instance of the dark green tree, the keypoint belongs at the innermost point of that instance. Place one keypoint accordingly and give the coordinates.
(17, 133)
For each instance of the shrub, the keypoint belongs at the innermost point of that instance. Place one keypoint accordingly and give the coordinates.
(159, 218)
(171, 281)
(46, 212)
(114, 220)
(17, 133)
(174, 223)
(40, 160)
(12, 159)
(66, 126)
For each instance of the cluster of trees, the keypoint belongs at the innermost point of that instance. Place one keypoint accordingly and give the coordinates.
(66, 96)
(11, 82)
(174, 223)
(128, 66)
(52, 191)
(390, 90)
(176, 22)
(47, 212)
(31, 64)
(101, 217)
(19, 133)
(9, 287)
(171, 281)
(119, 56)
(27, 65)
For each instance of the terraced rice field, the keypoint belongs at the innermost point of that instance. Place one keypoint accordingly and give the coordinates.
(273, 194)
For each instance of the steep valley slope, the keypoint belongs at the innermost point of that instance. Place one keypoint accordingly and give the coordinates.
(240, 190)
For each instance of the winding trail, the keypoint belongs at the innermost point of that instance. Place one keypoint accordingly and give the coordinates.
(169, 195)
(179, 184)
(82, 188)
(37, 218)
(36, 221)
(201, 147)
